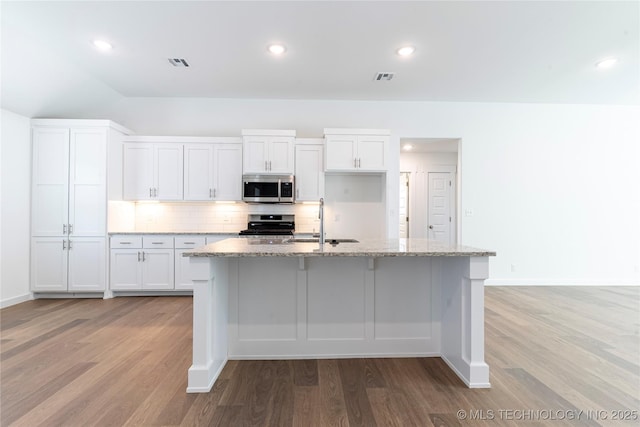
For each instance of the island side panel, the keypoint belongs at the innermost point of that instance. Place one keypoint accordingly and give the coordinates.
(210, 313)
(462, 319)
(297, 307)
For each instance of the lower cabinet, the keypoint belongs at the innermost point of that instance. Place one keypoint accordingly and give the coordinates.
(142, 263)
(182, 272)
(62, 264)
(154, 263)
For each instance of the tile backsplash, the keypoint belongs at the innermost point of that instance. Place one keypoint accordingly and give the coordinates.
(202, 217)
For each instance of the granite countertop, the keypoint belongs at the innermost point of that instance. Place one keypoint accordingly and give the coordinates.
(243, 247)
(171, 233)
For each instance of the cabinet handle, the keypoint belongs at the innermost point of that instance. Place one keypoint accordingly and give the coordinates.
(138, 256)
(142, 256)
(189, 243)
(150, 192)
(70, 246)
(210, 194)
(125, 243)
(156, 243)
(297, 193)
(269, 164)
(70, 228)
(64, 228)
(265, 165)
(359, 162)
(214, 193)
(155, 192)
(64, 244)
(355, 162)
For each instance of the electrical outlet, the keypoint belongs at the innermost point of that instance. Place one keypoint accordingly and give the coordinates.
(468, 212)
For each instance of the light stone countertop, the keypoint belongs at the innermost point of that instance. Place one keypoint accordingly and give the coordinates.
(243, 247)
(171, 233)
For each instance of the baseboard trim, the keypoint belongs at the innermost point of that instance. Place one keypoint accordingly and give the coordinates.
(560, 282)
(15, 300)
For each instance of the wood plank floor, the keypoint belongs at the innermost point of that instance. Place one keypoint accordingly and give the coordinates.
(553, 351)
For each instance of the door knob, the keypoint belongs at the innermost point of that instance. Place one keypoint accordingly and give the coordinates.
(431, 227)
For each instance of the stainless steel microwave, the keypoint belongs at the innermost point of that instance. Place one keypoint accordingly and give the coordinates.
(268, 188)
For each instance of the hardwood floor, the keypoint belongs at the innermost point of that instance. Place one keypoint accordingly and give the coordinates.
(553, 351)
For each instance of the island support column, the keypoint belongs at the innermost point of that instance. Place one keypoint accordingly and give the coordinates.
(462, 290)
(210, 317)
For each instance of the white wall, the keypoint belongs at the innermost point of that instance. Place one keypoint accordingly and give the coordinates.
(15, 193)
(554, 188)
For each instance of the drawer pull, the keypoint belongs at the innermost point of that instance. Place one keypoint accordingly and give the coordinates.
(157, 243)
(125, 243)
(189, 243)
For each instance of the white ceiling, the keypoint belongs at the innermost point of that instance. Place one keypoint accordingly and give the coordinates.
(505, 51)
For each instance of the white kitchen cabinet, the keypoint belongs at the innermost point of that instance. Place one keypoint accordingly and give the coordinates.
(69, 181)
(69, 203)
(182, 270)
(63, 264)
(213, 172)
(142, 263)
(356, 150)
(152, 171)
(309, 169)
(268, 151)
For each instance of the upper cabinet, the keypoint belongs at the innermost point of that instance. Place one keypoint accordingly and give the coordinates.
(356, 150)
(309, 169)
(213, 171)
(268, 151)
(69, 185)
(152, 170)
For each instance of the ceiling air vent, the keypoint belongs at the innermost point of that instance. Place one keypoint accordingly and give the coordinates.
(178, 62)
(384, 76)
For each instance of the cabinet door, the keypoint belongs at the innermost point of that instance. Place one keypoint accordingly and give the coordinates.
(281, 155)
(50, 203)
(340, 153)
(138, 171)
(125, 270)
(198, 172)
(255, 154)
(48, 264)
(227, 171)
(87, 259)
(372, 153)
(309, 173)
(168, 171)
(157, 269)
(87, 182)
(182, 272)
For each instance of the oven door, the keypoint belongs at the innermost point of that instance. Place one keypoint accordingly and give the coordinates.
(260, 189)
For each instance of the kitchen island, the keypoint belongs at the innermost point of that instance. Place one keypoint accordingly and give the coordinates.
(285, 299)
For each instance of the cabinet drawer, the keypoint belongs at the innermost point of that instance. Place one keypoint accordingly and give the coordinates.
(126, 242)
(189, 242)
(152, 242)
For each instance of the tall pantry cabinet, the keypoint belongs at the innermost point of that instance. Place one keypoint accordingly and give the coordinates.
(69, 203)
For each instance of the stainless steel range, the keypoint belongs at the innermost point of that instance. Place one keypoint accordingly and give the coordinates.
(269, 225)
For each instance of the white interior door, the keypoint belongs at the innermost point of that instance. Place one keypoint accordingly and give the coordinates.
(403, 210)
(439, 206)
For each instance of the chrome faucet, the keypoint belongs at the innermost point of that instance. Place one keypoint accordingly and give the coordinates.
(321, 216)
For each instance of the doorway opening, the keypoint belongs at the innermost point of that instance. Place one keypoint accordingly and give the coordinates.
(430, 167)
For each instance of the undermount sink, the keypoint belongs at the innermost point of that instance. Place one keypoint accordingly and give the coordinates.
(329, 241)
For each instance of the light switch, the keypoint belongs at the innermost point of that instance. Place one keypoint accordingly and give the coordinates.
(468, 212)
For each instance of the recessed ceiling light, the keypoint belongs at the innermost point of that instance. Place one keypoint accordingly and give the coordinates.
(406, 50)
(607, 63)
(102, 45)
(277, 49)
(407, 147)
